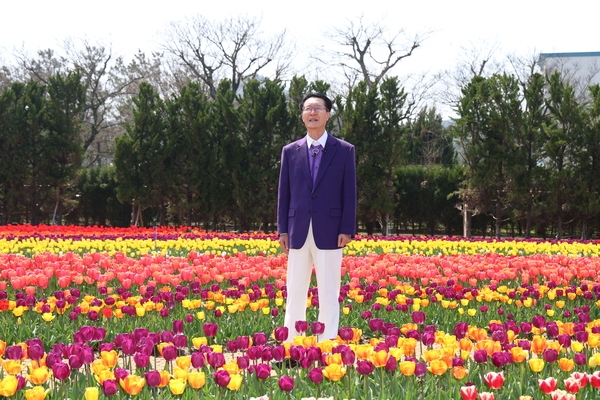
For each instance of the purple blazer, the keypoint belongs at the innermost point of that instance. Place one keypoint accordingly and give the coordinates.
(331, 203)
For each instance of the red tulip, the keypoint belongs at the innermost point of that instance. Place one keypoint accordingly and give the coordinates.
(494, 380)
(468, 392)
(547, 385)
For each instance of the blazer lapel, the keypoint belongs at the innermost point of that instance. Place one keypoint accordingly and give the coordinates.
(327, 156)
(302, 150)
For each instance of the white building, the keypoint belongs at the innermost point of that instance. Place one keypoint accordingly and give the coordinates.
(580, 69)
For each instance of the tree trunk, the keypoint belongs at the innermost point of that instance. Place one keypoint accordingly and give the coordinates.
(584, 229)
(498, 224)
(466, 221)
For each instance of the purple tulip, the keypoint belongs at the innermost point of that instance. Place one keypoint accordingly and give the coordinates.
(286, 383)
(580, 359)
(391, 364)
(317, 328)
(501, 358)
(278, 352)
(364, 367)
(254, 352)
(109, 387)
(14, 352)
(538, 321)
(420, 369)
(550, 355)
(460, 330)
(259, 338)
(120, 373)
(428, 338)
(262, 371)
(142, 360)
(61, 370)
(198, 360)
(564, 340)
(210, 329)
(301, 326)
(75, 362)
(243, 342)
(180, 341)
(375, 324)
(267, 353)
(177, 326)
(243, 362)
(348, 357)
(281, 333)
(346, 334)
(552, 329)
(216, 360)
(35, 351)
(222, 377)
(418, 317)
(21, 382)
(480, 356)
(169, 353)
(315, 375)
(152, 378)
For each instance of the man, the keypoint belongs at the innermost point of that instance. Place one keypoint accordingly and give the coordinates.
(316, 214)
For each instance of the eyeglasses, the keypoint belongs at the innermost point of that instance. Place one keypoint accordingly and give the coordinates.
(310, 109)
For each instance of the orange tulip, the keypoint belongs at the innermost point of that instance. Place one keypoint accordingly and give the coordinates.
(334, 372)
(407, 368)
(438, 367)
(459, 372)
(566, 364)
(379, 358)
(109, 358)
(132, 384)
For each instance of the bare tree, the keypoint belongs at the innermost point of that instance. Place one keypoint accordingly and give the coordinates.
(369, 51)
(477, 60)
(233, 48)
(109, 82)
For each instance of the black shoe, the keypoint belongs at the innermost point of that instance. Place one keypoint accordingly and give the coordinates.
(287, 363)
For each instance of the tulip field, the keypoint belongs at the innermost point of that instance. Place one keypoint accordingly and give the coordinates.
(180, 313)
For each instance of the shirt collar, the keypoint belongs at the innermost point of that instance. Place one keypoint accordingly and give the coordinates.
(322, 140)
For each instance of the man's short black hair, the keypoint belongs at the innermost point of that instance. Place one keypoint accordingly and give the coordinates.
(326, 99)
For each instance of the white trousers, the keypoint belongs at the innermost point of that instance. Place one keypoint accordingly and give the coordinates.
(328, 264)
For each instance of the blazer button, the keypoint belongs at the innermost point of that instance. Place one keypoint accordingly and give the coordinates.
(313, 196)
(309, 211)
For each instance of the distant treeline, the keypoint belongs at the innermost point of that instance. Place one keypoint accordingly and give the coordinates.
(520, 159)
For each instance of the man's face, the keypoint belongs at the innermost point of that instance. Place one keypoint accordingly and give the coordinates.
(315, 114)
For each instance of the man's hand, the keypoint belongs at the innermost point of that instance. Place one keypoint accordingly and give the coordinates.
(283, 242)
(343, 240)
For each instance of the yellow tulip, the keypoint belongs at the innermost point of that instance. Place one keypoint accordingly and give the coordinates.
(536, 364)
(196, 379)
(179, 373)
(8, 386)
(184, 362)
(39, 376)
(91, 393)
(12, 367)
(39, 393)
(235, 382)
(177, 386)
(48, 316)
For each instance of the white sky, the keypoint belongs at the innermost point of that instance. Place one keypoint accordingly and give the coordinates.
(523, 27)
